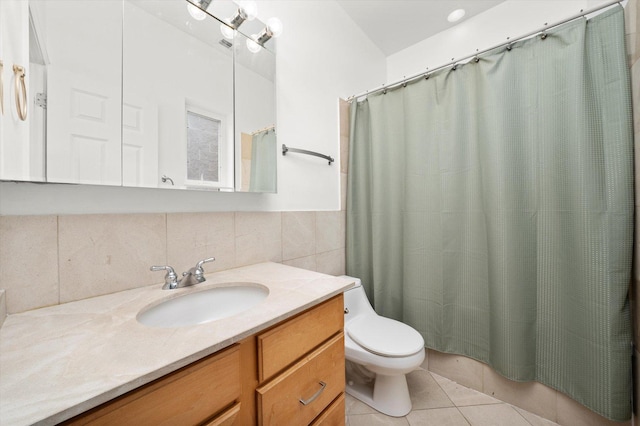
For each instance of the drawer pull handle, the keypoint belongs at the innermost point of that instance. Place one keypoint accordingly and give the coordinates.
(314, 396)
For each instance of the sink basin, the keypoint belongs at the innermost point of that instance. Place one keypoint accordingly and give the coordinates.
(204, 306)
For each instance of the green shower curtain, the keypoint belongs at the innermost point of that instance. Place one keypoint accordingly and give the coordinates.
(490, 207)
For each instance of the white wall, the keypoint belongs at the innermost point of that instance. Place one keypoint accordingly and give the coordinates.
(513, 18)
(322, 56)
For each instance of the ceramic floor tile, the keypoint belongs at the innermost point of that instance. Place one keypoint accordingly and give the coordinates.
(493, 415)
(377, 419)
(533, 419)
(425, 391)
(462, 396)
(355, 406)
(437, 416)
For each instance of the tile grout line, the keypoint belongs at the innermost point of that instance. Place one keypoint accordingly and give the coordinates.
(449, 398)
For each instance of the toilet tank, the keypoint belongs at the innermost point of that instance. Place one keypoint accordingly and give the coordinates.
(355, 300)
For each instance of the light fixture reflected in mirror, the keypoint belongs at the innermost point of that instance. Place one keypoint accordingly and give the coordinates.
(195, 12)
(196, 8)
(257, 41)
(227, 32)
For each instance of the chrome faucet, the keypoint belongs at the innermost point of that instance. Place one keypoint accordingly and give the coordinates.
(193, 276)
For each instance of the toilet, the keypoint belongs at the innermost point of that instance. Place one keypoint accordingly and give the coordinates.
(379, 352)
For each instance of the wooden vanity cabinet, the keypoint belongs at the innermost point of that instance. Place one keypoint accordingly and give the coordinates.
(261, 380)
(204, 392)
(301, 368)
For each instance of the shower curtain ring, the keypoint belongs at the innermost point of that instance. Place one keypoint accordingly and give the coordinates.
(543, 35)
(509, 47)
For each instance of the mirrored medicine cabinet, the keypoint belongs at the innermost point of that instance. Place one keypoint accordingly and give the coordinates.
(137, 93)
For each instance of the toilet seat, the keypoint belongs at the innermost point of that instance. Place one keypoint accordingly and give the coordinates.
(384, 336)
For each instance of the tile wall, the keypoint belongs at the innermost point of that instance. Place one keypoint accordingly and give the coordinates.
(47, 260)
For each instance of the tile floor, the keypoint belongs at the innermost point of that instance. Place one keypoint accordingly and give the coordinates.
(442, 402)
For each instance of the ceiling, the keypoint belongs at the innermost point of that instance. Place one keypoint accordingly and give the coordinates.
(394, 25)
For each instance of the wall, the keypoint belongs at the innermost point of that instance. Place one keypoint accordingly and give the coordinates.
(315, 67)
(47, 260)
(512, 18)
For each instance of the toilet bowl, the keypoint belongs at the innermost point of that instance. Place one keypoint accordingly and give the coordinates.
(380, 352)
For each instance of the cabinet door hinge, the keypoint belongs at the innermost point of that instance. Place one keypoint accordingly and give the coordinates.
(41, 100)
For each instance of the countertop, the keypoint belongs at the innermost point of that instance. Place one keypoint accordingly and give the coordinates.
(60, 361)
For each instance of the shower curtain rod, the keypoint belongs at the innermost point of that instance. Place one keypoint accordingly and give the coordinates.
(454, 62)
(263, 130)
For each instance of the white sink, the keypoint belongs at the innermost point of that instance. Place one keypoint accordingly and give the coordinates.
(204, 306)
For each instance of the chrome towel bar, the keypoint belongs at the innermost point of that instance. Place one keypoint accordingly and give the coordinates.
(286, 149)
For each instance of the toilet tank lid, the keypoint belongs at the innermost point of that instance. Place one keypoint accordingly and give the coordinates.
(357, 281)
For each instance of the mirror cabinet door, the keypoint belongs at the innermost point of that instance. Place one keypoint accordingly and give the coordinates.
(177, 98)
(71, 133)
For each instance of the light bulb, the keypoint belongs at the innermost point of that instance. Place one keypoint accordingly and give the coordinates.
(275, 26)
(252, 45)
(456, 15)
(227, 31)
(195, 12)
(250, 8)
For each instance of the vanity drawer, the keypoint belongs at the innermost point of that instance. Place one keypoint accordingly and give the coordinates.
(226, 418)
(188, 396)
(334, 415)
(283, 345)
(318, 378)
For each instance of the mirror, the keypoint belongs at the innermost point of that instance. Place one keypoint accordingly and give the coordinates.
(139, 93)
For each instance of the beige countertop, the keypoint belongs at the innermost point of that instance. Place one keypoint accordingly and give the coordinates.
(60, 361)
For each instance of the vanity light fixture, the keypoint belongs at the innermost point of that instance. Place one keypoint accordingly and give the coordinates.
(247, 11)
(456, 15)
(257, 41)
(197, 8)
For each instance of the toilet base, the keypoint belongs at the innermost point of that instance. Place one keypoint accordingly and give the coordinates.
(388, 395)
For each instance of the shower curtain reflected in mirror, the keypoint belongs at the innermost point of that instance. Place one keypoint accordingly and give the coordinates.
(263, 161)
(490, 207)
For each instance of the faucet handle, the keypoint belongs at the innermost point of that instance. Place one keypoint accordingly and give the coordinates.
(170, 279)
(199, 272)
(203, 261)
